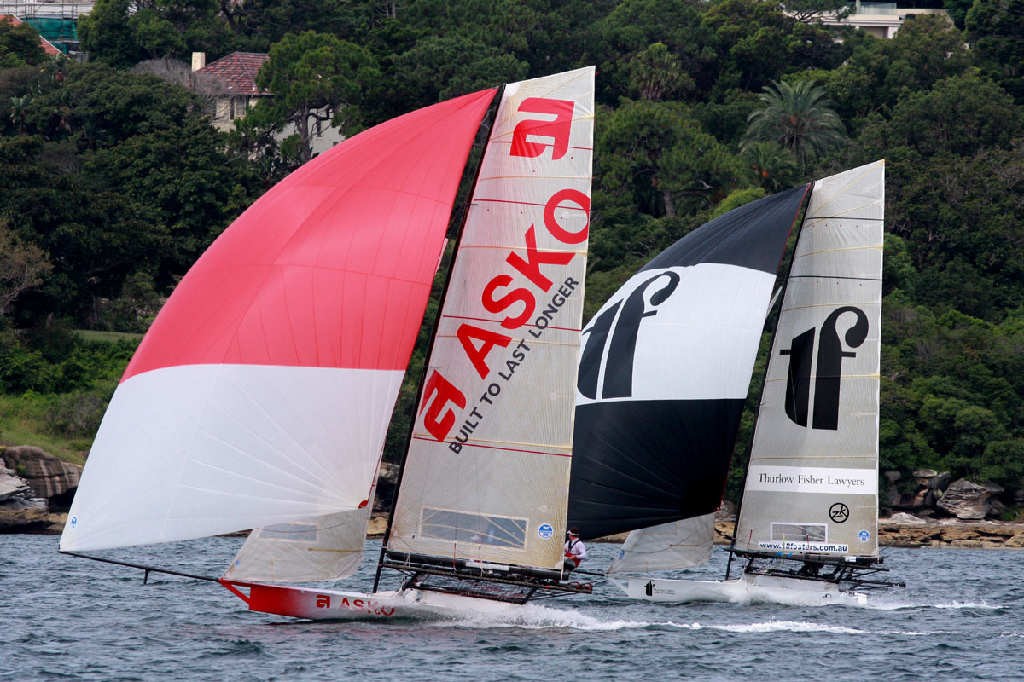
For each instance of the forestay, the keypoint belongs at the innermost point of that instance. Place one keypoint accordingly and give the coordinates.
(488, 466)
(812, 482)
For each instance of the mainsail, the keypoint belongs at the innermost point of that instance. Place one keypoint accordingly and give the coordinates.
(487, 471)
(261, 395)
(663, 376)
(812, 482)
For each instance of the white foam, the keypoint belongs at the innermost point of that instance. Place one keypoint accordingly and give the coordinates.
(788, 626)
(968, 605)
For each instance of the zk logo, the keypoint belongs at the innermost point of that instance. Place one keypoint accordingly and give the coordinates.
(609, 344)
(825, 410)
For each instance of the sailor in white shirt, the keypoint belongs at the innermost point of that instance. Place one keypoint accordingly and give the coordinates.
(575, 551)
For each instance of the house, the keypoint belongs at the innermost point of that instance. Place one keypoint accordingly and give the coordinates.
(879, 19)
(230, 83)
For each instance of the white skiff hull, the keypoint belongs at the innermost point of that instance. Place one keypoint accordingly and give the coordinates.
(748, 588)
(318, 604)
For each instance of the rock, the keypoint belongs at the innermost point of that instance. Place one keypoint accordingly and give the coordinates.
(49, 477)
(726, 511)
(966, 500)
(903, 517)
(12, 486)
(24, 520)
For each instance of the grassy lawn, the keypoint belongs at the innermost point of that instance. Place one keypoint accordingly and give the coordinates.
(23, 421)
(90, 335)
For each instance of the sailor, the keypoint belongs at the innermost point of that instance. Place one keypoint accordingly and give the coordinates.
(575, 551)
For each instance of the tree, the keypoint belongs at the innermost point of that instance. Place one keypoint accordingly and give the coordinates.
(994, 29)
(116, 174)
(655, 74)
(774, 165)
(19, 45)
(799, 118)
(881, 73)
(316, 79)
(809, 11)
(22, 266)
(124, 32)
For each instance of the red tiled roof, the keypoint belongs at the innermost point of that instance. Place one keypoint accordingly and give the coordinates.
(47, 46)
(237, 71)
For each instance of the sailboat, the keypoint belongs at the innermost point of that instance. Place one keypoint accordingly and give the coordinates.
(260, 397)
(664, 373)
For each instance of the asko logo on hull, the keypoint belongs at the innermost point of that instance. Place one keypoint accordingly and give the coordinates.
(824, 412)
(514, 292)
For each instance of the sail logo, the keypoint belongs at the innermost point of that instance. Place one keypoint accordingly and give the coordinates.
(514, 292)
(827, 365)
(609, 341)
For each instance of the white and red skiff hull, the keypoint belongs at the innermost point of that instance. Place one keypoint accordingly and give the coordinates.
(319, 604)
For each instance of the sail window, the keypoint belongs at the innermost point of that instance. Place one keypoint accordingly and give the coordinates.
(454, 526)
(808, 532)
(299, 532)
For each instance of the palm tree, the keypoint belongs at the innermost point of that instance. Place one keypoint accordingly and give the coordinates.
(797, 117)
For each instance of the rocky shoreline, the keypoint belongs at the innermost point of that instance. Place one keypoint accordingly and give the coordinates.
(892, 532)
(36, 487)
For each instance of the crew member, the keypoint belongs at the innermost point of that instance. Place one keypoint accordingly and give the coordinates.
(575, 551)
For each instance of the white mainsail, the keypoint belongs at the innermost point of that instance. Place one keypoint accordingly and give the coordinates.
(487, 472)
(812, 480)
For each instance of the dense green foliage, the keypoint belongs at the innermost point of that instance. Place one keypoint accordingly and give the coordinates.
(114, 182)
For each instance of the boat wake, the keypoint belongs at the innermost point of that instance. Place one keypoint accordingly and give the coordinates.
(535, 616)
(900, 605)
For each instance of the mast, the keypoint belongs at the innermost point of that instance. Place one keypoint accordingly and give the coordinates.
(485, 128)
(776, 300)
(812, 480)
(484, 479)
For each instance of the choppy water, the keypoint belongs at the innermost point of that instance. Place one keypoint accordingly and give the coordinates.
(961, 617)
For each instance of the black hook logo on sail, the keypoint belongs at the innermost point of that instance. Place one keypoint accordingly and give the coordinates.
(829, 370)
(620, 341)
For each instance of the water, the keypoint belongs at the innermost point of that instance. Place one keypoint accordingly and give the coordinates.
(67, 618)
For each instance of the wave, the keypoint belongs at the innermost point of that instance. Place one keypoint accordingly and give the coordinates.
(898, 605)
(789, 626)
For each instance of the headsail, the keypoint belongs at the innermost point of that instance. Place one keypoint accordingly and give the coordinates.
(812, 481)
(261, 395)
(665, 370)
(488, 465)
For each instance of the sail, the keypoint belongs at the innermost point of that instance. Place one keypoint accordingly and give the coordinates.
(322, 548)
(488, 465)
(680, 544)
(665, 369)
(812, 481)
(261, 395)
